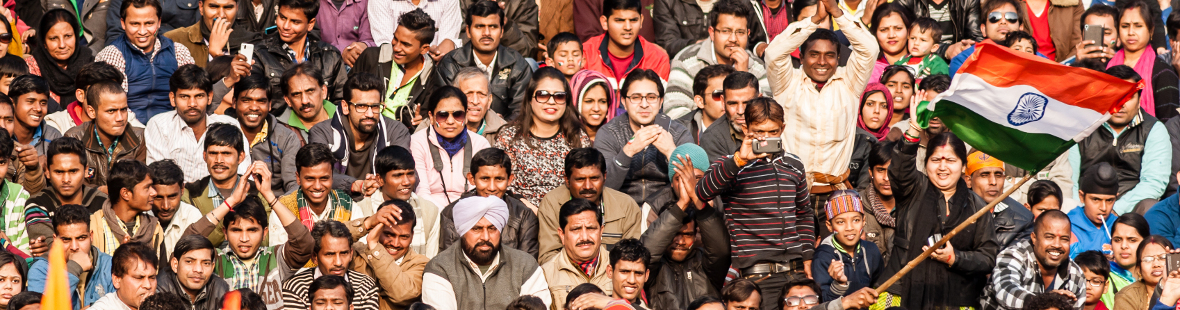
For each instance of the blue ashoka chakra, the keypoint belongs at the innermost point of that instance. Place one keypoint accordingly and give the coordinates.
(1029, 108)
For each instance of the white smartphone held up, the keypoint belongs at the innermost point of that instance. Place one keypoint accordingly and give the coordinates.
(247, 50)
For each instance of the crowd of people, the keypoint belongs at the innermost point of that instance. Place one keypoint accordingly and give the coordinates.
(571, 154)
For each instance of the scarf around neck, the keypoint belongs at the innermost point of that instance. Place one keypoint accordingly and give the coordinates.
(453, 146)
(61, 81)
(877, 209)
(1144, 66)
(145, 228)
(883, 131)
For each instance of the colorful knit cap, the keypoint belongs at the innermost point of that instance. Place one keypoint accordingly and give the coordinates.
(978, 160)
(843, 201)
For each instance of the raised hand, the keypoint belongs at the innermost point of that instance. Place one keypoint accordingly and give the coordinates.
(219, 36)
(836, 271)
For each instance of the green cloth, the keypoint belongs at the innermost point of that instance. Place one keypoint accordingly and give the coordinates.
(931, 64)
(294, 120)
(397, 96)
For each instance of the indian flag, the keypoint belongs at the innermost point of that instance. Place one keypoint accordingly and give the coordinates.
(1023, 109)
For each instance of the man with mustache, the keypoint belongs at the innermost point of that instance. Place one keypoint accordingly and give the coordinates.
(683, 270)
(585, 175)
(476, 272)
(1037, 265)
(224, 149)
(133, 273)
(110, 133)
(144, 56)
(211, 36)
(270, 141)
(126, 219)
(404, 62)
(174, 215)
(290, 45)
(315, 200)
(176, 134)
(505, 67)
(356, 133)
(985, 177)
(620, 49)
(333, 256)
(474, 84)
(190, 276)
(725, 135)
(491, 172)
(582, 255)
(397, 180)
(388, 256)
(707, 97)
(67, 165)
(303, 89)
(728, 35)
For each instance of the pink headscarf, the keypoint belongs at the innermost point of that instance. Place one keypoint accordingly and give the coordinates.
(1144, 67)
(581, 81)
(880, 133)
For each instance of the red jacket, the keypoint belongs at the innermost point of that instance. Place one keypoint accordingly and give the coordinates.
(647, 56)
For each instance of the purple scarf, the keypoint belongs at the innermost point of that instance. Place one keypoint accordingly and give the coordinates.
(1144, 67)
(453, 146)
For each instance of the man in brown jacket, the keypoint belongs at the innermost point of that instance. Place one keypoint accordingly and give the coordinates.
(387, 256)
(211, 36)
(108, 137)
(582, 259)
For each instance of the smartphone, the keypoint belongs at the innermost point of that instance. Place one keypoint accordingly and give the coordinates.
(1173, 262)
(770, 145)
(1093, 33)
(248, 51)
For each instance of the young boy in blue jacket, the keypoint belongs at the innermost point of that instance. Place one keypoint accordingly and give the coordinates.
(843, 263)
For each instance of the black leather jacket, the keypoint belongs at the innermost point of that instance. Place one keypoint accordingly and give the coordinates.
(519, 233)
(1013, 221)
(965, 16)
(209, 299)
(673, 285)
(509, 82)
(679, 23)
(272, 59)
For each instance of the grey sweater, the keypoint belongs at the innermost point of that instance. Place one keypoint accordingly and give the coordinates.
(644, 176)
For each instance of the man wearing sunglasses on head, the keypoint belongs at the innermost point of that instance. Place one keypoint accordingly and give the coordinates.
(1000, 18)
(356, 133)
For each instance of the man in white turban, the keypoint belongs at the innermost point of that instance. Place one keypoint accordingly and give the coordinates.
(484, 274)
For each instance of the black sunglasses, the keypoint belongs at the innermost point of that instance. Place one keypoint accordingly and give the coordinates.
(544, 95)
(5, 38)
(994, 17)
(441, 116)
(717, 94)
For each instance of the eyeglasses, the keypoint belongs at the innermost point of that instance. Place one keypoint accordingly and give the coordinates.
(808, 300)
(441, 116)
(718, 94)
(729, 31)
(994, 17)
(1096, 282)
(361, 107)
(651, 97)
(5, 38)
(544, 96)
(1152, 259)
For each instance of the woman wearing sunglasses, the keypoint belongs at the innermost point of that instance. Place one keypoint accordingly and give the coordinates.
(445, 148)
(594, 100)
(1159, 98)
(541, 136)
(639, 145)
(1153, 258)
(57, 54)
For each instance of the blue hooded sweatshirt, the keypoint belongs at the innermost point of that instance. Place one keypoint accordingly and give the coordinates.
(1087, 236)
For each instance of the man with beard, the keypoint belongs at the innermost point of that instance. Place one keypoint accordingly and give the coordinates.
(725, 136)
(397, 180)
(985, 177)
(478, 273)
(356, 133)
(174, 215)
(491, 172)
(683, 270)
(245, 230)
(315, 199)
(190, 275)
(210, 37)
(506, 68)
(628, 273)
(85, 264)
(387, 254)
(403, 64)
(1136, 144)
(333, 256)
(133, 273)
(729, 32)
(582, 254)
(1037, 265)
(303, 90)
(145, 57)
(270, 141)
(126, 218)
(67, 164)
(708, 92)
(291, 45)
(224, 148)
(176, 135)
(585, 174)
(108, 136)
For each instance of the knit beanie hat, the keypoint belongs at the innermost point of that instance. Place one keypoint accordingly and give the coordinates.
(693, 152)
(1100, 179)
(842, 201)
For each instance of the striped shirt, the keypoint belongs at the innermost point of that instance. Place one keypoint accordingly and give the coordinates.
(447, 17)
(295, 289)
(767, 208)
(678, 101)
(169, 137)
(13, 213)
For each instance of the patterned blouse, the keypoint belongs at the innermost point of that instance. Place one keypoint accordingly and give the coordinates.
(538, 169)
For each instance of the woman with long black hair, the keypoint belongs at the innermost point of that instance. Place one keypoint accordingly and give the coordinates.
(57, 54)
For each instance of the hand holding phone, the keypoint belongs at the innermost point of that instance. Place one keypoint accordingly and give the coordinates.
(248, 51)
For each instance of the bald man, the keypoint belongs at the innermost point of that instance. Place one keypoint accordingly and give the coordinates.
(494, 276)
(1037, 265)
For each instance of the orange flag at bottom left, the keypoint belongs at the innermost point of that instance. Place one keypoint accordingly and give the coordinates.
(57, 284)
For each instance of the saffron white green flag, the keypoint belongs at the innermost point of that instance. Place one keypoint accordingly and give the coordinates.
(1022, 109)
